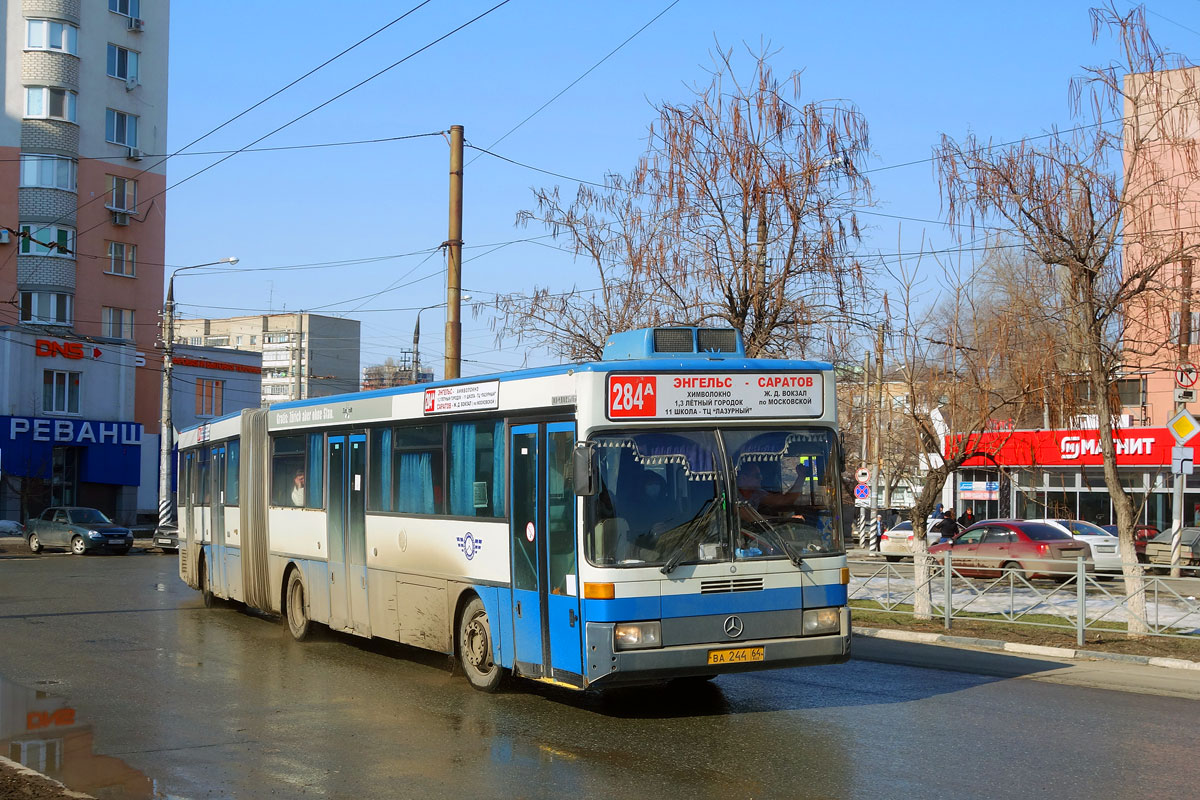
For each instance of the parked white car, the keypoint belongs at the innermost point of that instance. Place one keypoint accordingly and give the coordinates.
(1105, 554)
(897, 541)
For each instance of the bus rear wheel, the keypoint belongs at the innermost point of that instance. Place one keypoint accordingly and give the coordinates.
(475, 648)
(295, 612)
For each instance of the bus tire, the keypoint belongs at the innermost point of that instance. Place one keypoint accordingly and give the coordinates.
(210, 599)
(295, 612)
(475, 648)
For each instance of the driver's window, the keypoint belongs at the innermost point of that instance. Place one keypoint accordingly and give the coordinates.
(996, 536)
(971, 537)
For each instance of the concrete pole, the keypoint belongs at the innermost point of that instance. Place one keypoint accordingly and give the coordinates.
(166, 425)
(1185, 336)
(866, 432)
(454, 256)
(877, 444)
(416, 362)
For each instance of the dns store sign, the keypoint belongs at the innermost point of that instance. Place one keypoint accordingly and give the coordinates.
(74, 351)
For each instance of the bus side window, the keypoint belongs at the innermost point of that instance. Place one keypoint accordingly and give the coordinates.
(417, 470)
(232, 466)
(477, 469)
(287, 461)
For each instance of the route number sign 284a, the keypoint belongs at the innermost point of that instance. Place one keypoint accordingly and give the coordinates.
(713, 394)
(632, 396)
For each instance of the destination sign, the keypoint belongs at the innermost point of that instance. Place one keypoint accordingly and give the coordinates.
(464, 397)
(753, 395)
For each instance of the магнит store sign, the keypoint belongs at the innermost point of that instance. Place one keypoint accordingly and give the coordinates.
(1136, 447)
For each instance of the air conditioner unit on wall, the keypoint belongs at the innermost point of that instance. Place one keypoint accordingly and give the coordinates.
(120, 218)
(136, 24)
(134, 154)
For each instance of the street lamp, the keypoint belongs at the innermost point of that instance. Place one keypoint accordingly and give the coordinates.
(166, 429)
(466, 298)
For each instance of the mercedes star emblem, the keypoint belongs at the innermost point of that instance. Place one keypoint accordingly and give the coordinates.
(733, 627)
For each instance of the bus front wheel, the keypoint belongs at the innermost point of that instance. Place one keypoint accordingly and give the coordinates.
(296, 613)
(475, 648)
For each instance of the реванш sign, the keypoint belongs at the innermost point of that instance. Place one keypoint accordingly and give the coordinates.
(743, 394)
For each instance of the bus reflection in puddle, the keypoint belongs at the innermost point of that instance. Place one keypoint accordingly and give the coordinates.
(42, 732)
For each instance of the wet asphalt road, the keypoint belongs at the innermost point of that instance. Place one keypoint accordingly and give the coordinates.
(220, 703)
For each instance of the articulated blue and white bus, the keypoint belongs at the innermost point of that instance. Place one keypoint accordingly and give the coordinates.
(671, 511)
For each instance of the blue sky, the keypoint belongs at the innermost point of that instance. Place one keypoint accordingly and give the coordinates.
(915, 70)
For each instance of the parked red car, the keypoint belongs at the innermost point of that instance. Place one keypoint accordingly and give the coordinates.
(1141, 535)
(988, 548)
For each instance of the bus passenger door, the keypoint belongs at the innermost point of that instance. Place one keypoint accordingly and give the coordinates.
(220, 573)
(346, 526)
(335, 514)
(528, 541)
(566, 642)
(356, 534)
(546, 624)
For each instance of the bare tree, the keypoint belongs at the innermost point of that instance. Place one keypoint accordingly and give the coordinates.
(740, 213)
(957, 368)
(1103, 211)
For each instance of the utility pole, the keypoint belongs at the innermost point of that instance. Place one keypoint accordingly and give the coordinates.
(166, 425)
(454, 256)
(1185, 337)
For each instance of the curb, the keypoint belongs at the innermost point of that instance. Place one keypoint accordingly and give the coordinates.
(21, 769)
(1027, 649)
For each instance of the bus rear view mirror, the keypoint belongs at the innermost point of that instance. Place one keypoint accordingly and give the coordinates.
(584, 469)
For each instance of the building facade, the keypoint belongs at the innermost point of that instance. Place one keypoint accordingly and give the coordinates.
(303, 355)
(209, 382)
(82, 231)
(70, 436)
(1059, 474)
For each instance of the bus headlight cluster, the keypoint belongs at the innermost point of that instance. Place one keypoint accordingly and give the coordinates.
(637, 635)
(822, 620)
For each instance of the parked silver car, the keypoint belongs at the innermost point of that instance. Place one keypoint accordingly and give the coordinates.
(81, 529)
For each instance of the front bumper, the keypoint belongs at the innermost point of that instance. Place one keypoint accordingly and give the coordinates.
(605, 666)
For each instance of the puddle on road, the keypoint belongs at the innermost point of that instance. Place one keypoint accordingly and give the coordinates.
(42, 731)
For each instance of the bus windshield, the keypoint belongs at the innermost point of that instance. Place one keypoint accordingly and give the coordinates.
(669, 497)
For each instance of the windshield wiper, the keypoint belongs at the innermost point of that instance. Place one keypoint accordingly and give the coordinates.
(779, 539)
(698, 523)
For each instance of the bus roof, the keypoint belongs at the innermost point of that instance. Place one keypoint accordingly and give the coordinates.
(648, 365)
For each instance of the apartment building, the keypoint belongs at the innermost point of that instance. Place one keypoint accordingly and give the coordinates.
(303, 355)
(82, 229)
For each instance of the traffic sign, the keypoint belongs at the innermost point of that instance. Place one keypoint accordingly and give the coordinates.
(1183, 426)
(1186, 374)
(862, 491)
(862, 475)
(1185, 395)
(1183, 460)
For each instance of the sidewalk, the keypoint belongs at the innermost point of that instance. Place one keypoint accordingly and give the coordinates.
(999, 645)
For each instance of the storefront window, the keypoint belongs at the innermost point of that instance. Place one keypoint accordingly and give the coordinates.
(1158, 510)
(1094, 507)
(1060, 505)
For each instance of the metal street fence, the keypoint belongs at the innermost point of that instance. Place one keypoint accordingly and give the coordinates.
(980, 590)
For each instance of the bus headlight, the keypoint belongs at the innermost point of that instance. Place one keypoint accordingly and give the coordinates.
(822, 620)
(637, 635)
